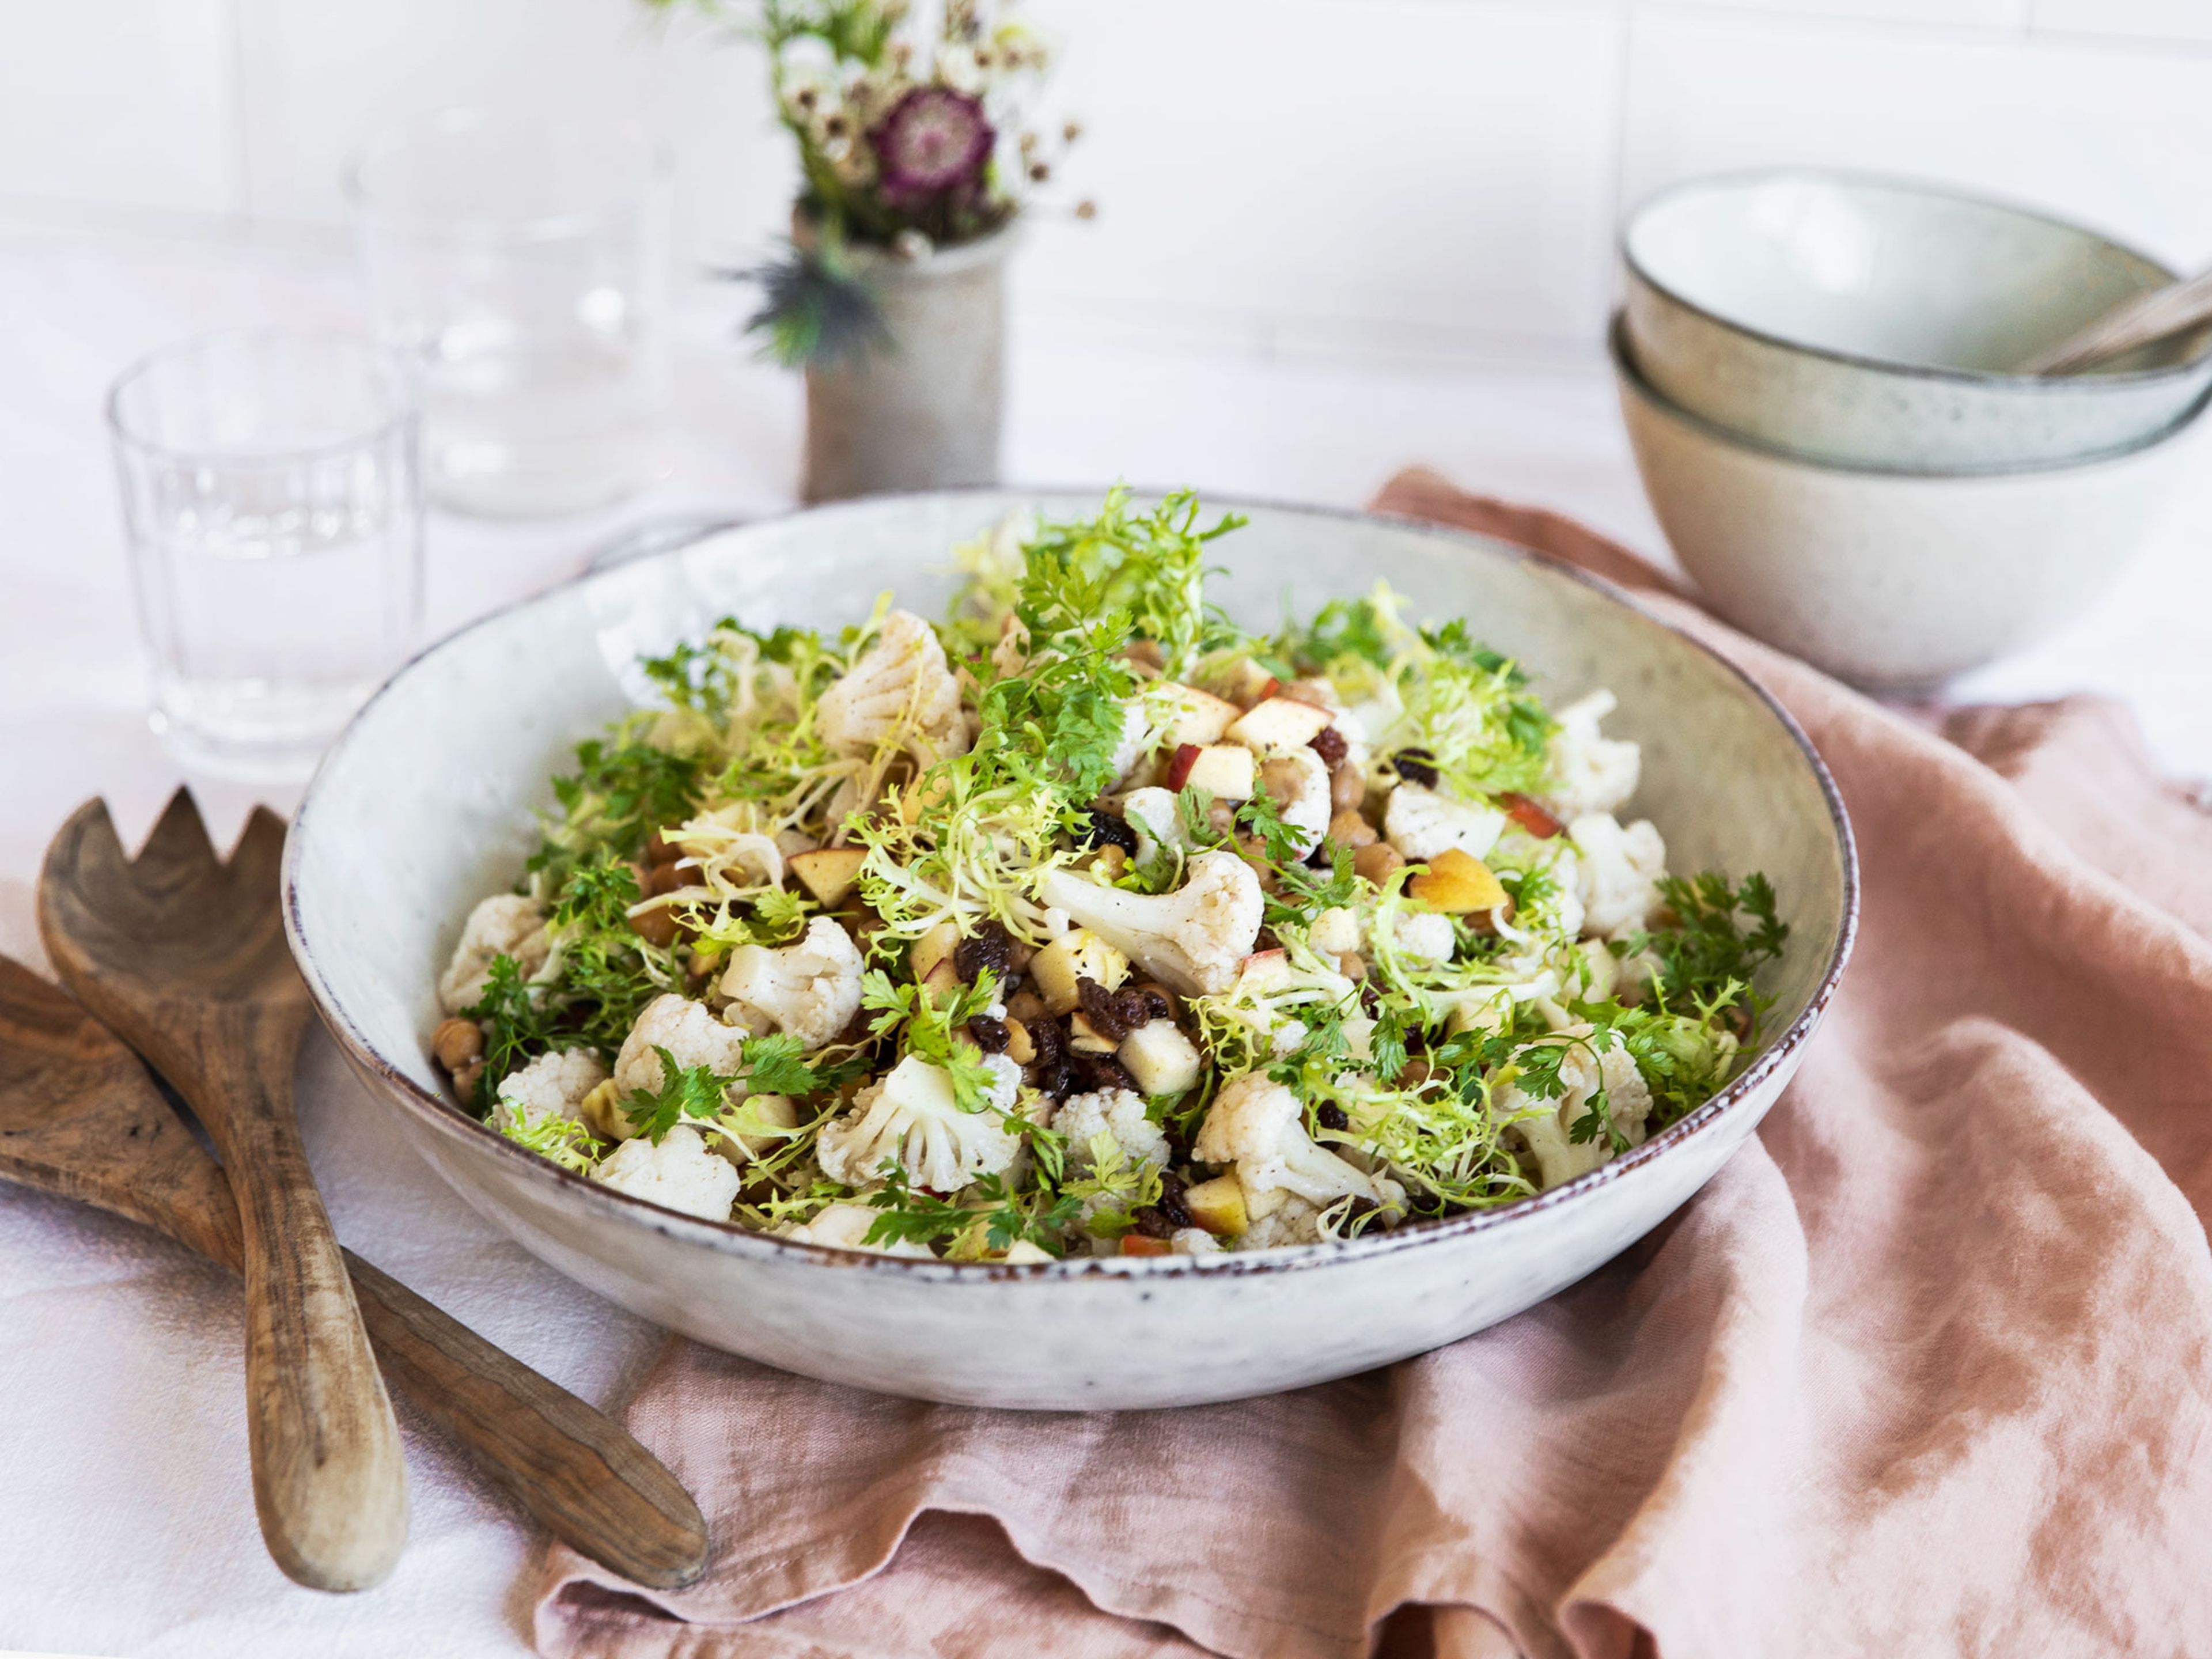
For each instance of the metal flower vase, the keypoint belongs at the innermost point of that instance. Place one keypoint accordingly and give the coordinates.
(921, 412)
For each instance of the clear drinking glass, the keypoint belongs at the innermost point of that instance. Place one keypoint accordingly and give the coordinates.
(275, 518)
(519, 269)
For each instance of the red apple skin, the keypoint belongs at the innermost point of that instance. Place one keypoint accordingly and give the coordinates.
(1186, 757)
(1139, 1244)
(1269, 690)
(1529, 815)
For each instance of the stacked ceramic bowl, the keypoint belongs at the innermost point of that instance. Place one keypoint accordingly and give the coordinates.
(1818, 375)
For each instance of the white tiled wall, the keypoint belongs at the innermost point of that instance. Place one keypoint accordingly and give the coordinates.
(1409, 179)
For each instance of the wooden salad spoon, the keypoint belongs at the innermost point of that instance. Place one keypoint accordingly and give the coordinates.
(183, 956)
(80, 1116)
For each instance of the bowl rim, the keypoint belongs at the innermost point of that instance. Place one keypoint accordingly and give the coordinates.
(1987, 379)
(1633, 381)
(728, 1237)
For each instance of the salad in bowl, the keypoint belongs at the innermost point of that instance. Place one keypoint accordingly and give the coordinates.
(1080, 922)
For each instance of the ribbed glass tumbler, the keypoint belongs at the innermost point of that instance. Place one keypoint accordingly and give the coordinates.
(272, 503)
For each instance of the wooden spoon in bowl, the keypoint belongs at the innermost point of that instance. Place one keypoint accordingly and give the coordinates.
(80, 1116)
(2155, 314)
(183, 956)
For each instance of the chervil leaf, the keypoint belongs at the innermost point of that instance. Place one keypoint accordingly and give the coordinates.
(773, 1066)
(685, 1092)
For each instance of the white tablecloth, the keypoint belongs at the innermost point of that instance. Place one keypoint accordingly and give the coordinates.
(126, 1522)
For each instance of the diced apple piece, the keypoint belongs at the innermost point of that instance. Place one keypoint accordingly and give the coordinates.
(1217, 1206)
(1455, 883)
(1021, 1048)
(1263, 971)
(942, 982)
(1179, 764)
(1084, 1037)
(1080, 955)
(830, 873)
(1141, 1244)
(1225, 771)
(1261, 1202)
(934, 946)
(1530, 816)
(1281, 725)
(1250, 684)
(1160, 1057)
(1200, 717)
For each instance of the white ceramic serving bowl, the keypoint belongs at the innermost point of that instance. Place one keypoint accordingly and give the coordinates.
(425, 804)
(1895, 581)
(1871, 323)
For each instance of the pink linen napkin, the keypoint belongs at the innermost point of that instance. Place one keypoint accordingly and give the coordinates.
(1927, 1369)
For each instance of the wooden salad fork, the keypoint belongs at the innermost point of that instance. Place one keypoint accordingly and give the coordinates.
(183, 956)
(80, 1117)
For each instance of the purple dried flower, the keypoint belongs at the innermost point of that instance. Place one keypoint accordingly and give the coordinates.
(933, 140)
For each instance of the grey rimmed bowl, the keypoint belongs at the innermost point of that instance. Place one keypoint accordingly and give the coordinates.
(1873, 323)
(425, 804)
(1895, 581)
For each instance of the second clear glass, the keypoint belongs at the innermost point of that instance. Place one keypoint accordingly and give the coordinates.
(519, 269)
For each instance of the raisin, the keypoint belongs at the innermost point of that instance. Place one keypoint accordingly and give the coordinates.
(1048, 1070)
(1416, 766)
(1265, 939)
(1102, 1008)
(989, 1034)
(1328, 742)
(1152, 1221)
(1330, 1116)
(1133, 1008)
(1359, 1207)
(1171, 1204)
(1103, 829)
(1101, 1073)
(989, 949)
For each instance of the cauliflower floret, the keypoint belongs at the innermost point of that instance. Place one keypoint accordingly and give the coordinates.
(1257, 1125)
(504, 925)
(1420, 824)
(678, 1174)
(552, 1086)
(1547, 912)
(1153, 814)
(1293, 1221)
(1191, 940)
(1423, 937)
(1618, 872)
(1118, 1113)
(690, 1033)
(1140, 737)
(810, 988)
(1586, 771)
(909, 1117)
(902, 687)
(1297, 782)
(846, 1226)
(1548, 1133)
(1192, 1241)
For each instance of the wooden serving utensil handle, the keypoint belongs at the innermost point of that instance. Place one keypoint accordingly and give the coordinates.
(329, 1481)
(588, 1482)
